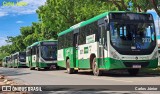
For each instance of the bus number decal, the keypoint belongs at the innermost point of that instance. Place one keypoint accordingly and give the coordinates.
(146, 39)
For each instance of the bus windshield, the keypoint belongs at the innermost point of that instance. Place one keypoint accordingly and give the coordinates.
(49, 52)
(133, 37)
(22, 57)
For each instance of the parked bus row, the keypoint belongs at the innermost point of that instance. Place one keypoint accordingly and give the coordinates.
(15, 60)
(109, 41)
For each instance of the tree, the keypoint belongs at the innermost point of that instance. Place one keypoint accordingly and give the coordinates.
(29, 34)
(138, 5)
(58, 15)
(156, 6)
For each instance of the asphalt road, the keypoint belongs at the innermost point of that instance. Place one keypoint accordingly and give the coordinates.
(60, 77)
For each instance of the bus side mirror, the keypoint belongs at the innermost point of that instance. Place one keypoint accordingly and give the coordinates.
(106, 20)
(107, 23)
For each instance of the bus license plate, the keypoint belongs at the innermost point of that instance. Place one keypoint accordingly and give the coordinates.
(136, 66)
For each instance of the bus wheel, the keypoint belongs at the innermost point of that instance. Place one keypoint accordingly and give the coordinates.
(95, 68)
(31, 68)
(69, 70)
(133, 72)
(38, 69)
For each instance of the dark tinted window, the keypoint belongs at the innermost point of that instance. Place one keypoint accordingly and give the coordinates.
(65, 41)
(131, 16)
(86, 31)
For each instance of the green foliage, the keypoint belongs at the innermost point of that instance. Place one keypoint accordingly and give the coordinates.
(3, 52)
(58, 15)
(138, 5)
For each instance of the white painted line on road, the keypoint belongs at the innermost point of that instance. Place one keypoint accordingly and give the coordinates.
(113, 80)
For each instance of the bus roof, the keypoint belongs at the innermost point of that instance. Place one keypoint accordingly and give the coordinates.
(38, 42)
(81, 24)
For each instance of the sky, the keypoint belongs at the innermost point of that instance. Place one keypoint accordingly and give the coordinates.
(14, 17)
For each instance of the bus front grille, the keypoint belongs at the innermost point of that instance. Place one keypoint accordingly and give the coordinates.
(130, 64)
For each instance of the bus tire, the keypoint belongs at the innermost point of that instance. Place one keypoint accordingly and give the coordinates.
(95, 68)
(69, 70)
(31, 68)
(38, 69)
(133, 72)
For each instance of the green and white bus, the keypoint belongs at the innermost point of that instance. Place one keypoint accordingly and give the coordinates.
(42, 54)
(111, 40)
(10, 63)
(19, 59)
(5, 61)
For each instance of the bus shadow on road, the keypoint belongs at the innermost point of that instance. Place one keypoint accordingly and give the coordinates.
(52, 69)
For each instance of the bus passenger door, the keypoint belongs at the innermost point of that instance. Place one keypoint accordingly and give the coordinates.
(75, 49)
(37, 54)
(102, 44)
